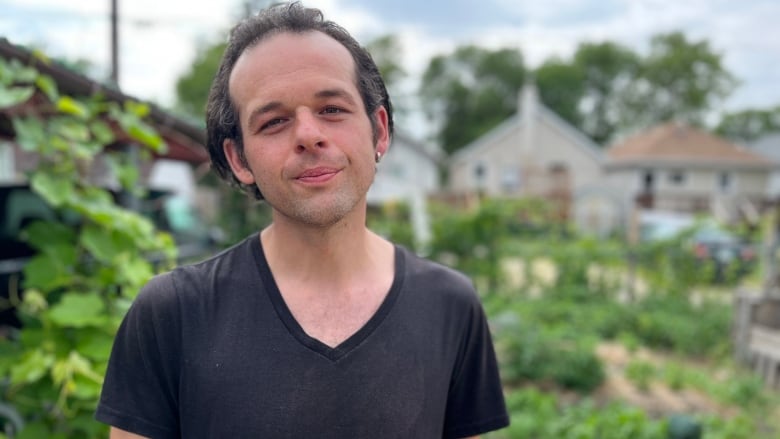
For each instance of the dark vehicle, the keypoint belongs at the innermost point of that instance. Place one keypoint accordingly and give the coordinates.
(20, 206)
(729, 254)
(715, 248)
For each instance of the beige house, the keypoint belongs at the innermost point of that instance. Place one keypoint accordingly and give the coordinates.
(537, 153)
(675, 167)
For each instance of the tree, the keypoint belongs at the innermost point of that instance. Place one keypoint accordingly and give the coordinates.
(750, 124)
(589, 91)
(561, 87)
(680, 80)
(192, 89)
(386, 52)
(470, 91)
(608, 70)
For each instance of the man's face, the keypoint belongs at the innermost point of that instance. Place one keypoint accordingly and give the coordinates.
(308, 142)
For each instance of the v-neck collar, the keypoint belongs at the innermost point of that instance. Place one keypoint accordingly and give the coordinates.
(285, 315)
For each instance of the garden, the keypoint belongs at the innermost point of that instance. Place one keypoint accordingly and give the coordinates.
(598, 339)
(595, 338)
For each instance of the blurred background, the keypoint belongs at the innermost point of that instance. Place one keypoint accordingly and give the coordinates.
(608, 172)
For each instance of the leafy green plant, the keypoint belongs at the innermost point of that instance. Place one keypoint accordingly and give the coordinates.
(641, 373)
(86, 272)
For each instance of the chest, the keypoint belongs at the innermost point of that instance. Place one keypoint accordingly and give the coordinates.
(392, 383)
(333, 318)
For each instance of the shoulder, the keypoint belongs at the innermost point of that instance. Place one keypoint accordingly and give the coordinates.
(189, 281)
(431, 278)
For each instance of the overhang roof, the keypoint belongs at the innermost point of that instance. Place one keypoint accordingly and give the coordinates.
(186, 141)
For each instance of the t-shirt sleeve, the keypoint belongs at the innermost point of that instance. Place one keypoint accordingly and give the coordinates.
(476, 401)
(140, 390)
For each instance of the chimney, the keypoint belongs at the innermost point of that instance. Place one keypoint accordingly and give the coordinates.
(528, 102)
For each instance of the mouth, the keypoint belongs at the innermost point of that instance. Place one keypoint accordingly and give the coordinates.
(317, 175)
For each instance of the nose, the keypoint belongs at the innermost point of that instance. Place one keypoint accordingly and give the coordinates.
(308, 134)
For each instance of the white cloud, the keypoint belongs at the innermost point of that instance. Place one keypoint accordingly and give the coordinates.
(158, 37)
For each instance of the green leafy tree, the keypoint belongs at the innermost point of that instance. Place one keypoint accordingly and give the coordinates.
(387, 52)
(192, 88)
(561, 87)
(589, 90)
(608, 71)
(470, 91)
(86, 272)
(679, 79)
(750, 124)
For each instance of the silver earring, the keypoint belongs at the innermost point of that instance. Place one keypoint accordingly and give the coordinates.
(377, 156)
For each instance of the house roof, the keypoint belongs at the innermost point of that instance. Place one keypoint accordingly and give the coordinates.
(679, 143)
(404, 139)
(185, 140)
(515, 121)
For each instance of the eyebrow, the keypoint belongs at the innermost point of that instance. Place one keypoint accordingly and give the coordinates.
(322, 94)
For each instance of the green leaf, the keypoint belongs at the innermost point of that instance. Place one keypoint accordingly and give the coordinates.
(135, 271)
(10, 97)
(78, 310)
(68, 105)
(48, 235)
(101, 132)
(55, 190)
(47, 85)
(30, 133)
(103, 243)
(95, 345)
(137, 108)
(147, 136)
(44, 272)
(34, 365)
(70, 128)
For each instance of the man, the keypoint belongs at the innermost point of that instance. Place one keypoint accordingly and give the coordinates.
(315, 327)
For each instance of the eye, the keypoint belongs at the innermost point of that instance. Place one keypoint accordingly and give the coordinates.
(271, 123)
(332, 110)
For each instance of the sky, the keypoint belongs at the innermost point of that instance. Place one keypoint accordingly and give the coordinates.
(160, 38)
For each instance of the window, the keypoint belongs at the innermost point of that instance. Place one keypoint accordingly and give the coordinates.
(647, 181)
(480, 174)
(510, 179)
(677, 177)
(725, 182)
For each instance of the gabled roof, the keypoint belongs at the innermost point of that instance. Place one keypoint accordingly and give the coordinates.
(683, 145)
(515, 121)
(185, 141)
(406, 140)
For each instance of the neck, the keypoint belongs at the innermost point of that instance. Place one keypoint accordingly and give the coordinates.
(329, 255)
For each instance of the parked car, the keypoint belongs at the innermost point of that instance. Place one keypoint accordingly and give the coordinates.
(704, 239)
(725, 250)
(20, 206)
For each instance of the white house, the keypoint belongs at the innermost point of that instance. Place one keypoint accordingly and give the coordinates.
(676, 167)
(408, 173)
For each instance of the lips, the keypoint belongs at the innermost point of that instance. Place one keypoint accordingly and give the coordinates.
(318, 174)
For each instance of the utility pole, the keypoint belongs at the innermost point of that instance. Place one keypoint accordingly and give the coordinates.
(115, 43)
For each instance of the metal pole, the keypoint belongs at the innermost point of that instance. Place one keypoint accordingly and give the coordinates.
(115, 43)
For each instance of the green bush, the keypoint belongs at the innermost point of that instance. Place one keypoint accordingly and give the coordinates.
(82, 279)
(641, 373)
(529, 353)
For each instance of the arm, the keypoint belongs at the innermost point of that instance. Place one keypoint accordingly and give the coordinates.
(121, 434)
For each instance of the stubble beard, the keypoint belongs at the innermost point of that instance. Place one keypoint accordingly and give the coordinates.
(321, 210)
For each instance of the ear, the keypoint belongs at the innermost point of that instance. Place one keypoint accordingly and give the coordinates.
(240, 170)
(382, 131)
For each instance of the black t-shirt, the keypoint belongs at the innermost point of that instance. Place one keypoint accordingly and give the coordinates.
(211, 351)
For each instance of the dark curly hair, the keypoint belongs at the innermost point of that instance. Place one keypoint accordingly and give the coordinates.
(222, 120)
